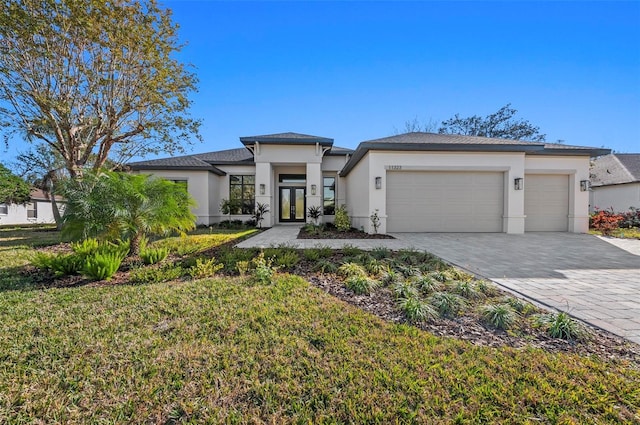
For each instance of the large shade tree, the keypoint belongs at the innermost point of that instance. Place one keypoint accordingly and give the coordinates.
(93, 80)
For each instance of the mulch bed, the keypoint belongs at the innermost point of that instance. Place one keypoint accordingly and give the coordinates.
(333, 233)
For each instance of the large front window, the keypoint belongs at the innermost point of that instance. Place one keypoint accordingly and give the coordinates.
(242, 191)
(329, 195)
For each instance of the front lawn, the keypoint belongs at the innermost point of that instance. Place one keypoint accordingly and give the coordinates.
(231, 350)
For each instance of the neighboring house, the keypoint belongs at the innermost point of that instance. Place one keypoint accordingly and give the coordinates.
(418, 182)
(615, 182)
(37, 210)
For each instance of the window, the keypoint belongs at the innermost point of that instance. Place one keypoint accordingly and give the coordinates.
(242, 190)
(4, 209)
(293, 178)
(32, 210)
(329, 195)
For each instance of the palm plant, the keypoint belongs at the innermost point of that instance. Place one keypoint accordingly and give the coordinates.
(115, 205)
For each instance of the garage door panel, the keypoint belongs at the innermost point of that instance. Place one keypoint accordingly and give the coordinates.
(426, 201)
(546, 202)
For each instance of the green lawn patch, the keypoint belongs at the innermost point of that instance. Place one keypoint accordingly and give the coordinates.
(224, 350)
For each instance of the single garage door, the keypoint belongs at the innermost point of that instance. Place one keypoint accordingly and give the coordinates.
(546, 202)
(439, 201)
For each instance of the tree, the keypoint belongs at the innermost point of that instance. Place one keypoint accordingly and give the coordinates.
(113, 205)
(13, 189)
(92, 79)
(415, 125)
(501, 125)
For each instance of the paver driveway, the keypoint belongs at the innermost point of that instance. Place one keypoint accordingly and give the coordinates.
(594, 279)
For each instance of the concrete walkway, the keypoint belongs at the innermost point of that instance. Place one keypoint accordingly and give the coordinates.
(595, 279)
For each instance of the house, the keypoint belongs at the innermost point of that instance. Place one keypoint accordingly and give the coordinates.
(419, 182)
(38, 210)
(615, 182)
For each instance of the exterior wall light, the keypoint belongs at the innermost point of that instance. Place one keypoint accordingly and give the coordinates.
(518, 184)
(378, 182)
(584, 185)
(262, 189)
(313, 189)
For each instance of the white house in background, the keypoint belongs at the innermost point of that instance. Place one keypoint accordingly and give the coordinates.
(37, 211)
(417, 182)
(615, 182)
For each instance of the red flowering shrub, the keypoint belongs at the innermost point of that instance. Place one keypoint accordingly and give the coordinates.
(606, 221)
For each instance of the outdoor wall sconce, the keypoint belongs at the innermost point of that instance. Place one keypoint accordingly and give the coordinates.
(262, 188)
(313, 189)
(518, 183)
(584, 185)
(378, 182)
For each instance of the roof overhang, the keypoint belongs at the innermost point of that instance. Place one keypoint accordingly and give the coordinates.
(211, 168)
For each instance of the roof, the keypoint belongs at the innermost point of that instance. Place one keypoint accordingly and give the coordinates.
(189, 162)
(229, 156)
(40, 195)
(617, 168)
(287, 138)
(420, 141)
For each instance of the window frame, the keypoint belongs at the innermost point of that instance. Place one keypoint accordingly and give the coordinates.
(247, 193)
(4, 209)
(324, 198)
(32, 212)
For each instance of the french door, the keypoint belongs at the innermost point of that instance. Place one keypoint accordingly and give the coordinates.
(292, 204)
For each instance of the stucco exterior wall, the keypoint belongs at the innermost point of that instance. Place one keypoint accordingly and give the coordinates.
(619, 197)
(359, 186)
(363, 198)
(220, 191)
(17, 214)
(197, 186)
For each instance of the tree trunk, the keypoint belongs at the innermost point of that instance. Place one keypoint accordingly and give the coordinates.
(134, 244)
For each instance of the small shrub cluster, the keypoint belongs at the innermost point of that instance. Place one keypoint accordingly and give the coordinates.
(561, 325)
(93, 259)
(154, 255)
(610, 223)
(262, 269)
(204, 267)
(342, 221)
(164, 273)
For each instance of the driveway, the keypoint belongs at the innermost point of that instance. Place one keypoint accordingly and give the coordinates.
(595, 279)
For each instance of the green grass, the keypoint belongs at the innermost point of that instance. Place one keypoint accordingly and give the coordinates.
(228, 350)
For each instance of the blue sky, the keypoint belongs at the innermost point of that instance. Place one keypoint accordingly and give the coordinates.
(355, 71)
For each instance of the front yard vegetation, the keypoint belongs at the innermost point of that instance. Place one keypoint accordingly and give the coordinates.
(620, 225)
(211, 333)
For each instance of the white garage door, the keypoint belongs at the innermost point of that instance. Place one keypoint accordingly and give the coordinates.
(546, 202)
(438, 201)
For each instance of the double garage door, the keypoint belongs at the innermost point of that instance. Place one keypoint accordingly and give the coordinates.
(454, 201)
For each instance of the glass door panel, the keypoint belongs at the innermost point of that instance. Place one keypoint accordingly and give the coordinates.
(299, 211)
(285, 204)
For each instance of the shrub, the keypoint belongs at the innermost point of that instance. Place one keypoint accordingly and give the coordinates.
(325, 266)
(499, 316)
(425, 283)
(605, 221)
(311, 254)
(468, 290)
(85, 247)
(287, 259)
(446, 303)
(258, 214)
(404, 289)
(374, 266)
(361, 285)
(314, 212)
(487, 288)
(59, 264)
(375, 221)
(101, 266)
(352, 269)
(147, 275)
(351, 251)
(391, 276)
(561, 325)
(380, 253)
(417, 310)
(630, 219)
(263, 270)
(154, 255)
(342, 221)
(204, 268)
(242, 267)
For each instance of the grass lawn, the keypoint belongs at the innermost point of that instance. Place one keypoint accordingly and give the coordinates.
(227, 350)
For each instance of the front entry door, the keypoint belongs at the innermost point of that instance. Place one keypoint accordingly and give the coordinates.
(292, 204)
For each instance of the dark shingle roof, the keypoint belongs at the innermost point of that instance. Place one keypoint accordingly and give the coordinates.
(228, 156)
(419, 141)
(337, 150)
(616, 168)
(189, 162)
(284, 138)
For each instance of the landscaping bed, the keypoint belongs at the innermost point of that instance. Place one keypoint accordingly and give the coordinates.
(329, 231)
